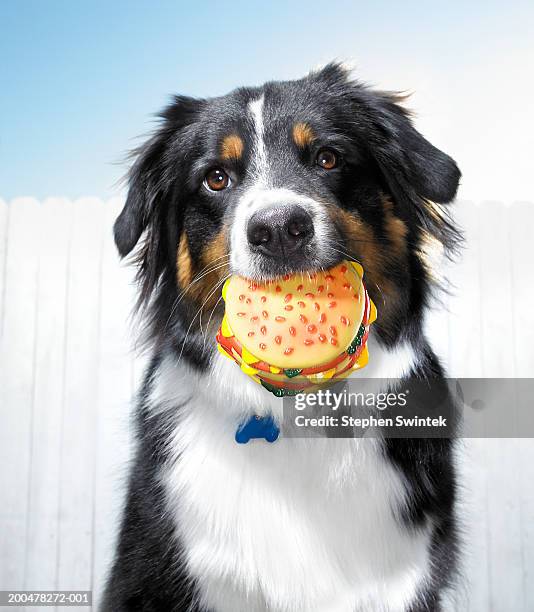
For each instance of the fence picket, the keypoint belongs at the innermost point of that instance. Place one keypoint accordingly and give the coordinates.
(521, 216)
(465, 360)
(17, 385)
(4, 220)
(75, 563)
(53, 245)
(502, 461)
(114, 401)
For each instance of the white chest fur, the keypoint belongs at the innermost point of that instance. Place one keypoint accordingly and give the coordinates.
(296, 526)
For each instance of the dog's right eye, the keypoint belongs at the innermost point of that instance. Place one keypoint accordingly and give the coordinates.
(216, 180)
(327, 159)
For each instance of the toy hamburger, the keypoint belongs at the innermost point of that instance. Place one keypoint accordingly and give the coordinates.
(296, 333)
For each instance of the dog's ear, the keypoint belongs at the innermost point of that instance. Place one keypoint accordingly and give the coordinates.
(151, 175)
(143, 191)
(419, 176)
(407, 160)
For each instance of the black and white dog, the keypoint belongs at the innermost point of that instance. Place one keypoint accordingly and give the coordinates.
(321, 525)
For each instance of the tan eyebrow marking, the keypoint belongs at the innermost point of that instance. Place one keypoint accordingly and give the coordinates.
(303, 134)
(232, 147)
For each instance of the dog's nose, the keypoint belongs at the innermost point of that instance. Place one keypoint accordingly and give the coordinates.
(280, 230)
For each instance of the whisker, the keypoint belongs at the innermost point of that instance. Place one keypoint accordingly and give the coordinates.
(219, 283)
(381, 293)
(209, 320)
(183, 293)
(208, 268)
(353, 258)
(204, 271)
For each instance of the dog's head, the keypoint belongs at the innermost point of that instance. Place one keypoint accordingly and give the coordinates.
(289, 177)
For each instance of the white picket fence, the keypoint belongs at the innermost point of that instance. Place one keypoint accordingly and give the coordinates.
(68, 375)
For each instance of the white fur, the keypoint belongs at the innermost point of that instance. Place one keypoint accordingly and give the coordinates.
(258, 197)
(259, 154)
(260, 194)
(301, 525)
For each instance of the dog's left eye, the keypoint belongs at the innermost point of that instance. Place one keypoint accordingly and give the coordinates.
(327, 159)
(217, 180)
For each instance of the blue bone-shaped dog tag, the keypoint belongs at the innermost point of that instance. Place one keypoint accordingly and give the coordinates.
(257, 427)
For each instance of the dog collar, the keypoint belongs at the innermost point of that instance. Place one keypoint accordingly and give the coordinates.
(257, 427)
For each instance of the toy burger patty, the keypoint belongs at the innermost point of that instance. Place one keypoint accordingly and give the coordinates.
(297, 332)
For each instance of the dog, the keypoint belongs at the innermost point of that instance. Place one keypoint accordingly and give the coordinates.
(322, 525)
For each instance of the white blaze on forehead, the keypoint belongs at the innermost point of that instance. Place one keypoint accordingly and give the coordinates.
(259, 153)
(260, 194)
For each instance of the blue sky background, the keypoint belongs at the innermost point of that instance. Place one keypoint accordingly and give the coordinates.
(80, 80)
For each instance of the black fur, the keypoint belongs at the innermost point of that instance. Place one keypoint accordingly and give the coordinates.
(148, 574)
(382, 153)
